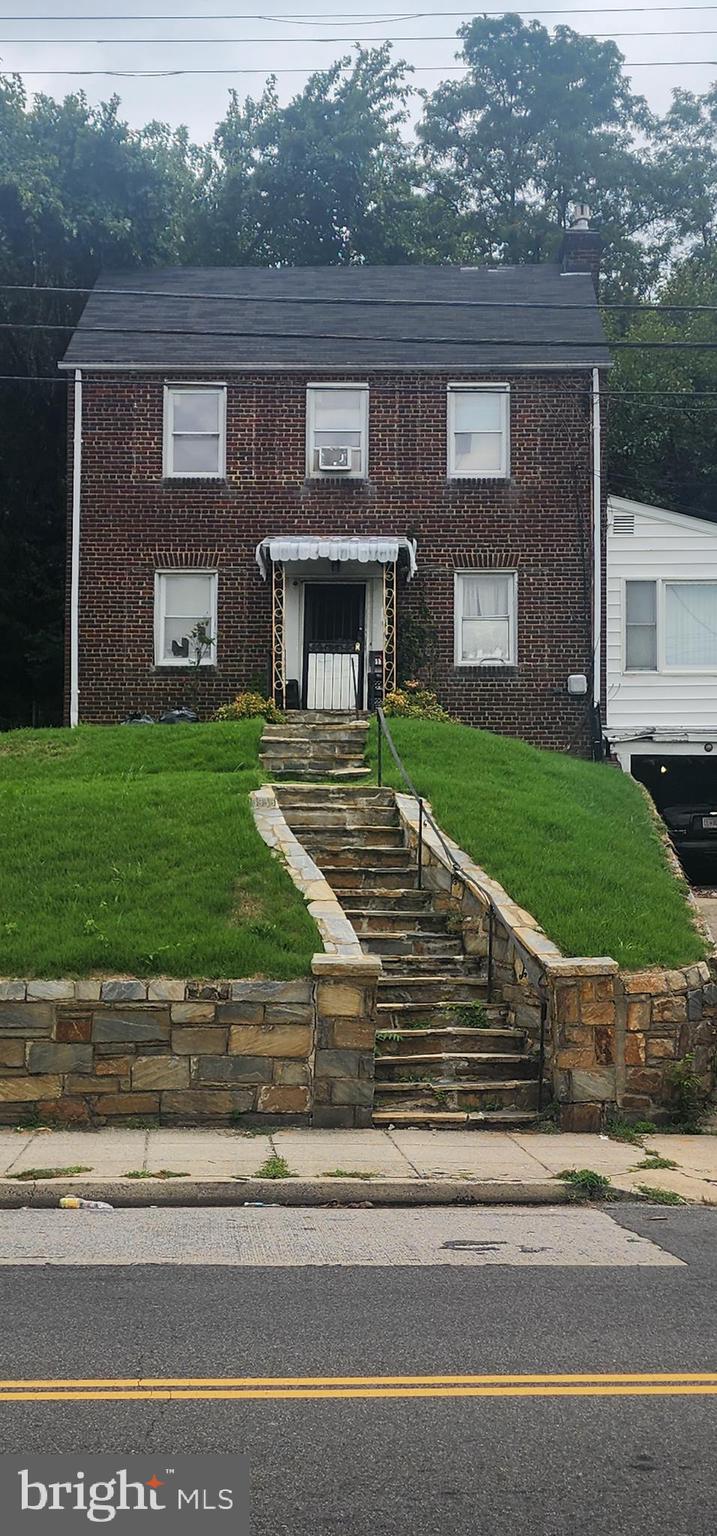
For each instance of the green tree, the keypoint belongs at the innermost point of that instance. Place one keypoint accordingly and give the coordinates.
(662, 442)
(328, 179)
(79, 191)
(687, 165)
(539, 121)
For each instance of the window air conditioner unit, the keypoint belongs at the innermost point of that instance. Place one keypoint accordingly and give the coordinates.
(335, 460)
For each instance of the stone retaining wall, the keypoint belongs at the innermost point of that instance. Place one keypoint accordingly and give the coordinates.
(610, 1036)
(185, 1052)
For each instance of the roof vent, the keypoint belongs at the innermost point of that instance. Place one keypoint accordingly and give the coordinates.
(623, 523)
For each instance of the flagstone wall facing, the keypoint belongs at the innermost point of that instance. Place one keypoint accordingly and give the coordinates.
(610, 1036)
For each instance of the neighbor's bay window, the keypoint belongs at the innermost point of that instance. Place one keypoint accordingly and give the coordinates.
(485, 618)
(671, 626)
(337, 431)
(185, 618)
(195, 431)
(479, 432)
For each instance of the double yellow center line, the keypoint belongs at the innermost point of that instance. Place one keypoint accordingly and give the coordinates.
(240, 1388)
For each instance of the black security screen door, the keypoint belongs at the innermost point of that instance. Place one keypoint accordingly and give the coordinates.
(334, 615)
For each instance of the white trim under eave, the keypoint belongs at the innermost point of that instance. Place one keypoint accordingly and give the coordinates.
(339, 368)
(75, 554)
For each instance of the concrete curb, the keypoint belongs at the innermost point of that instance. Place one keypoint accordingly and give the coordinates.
(45, 1194)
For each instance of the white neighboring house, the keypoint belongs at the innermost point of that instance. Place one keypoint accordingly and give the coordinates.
(661, 626)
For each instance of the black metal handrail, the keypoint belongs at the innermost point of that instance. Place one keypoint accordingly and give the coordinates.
(457, 874)
(425, 816)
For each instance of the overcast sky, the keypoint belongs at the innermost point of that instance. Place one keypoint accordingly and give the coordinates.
(32, 44)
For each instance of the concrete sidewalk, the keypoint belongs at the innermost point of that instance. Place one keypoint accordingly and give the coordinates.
(380, 1166)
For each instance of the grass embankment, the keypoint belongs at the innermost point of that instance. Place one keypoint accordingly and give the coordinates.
(133, 849)
(571, 841)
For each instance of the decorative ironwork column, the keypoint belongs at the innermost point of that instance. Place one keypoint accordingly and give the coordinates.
(389, 622)
(278, 638)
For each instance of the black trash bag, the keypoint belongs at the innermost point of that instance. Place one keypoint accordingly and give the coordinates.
(179, 717)
(137, 718)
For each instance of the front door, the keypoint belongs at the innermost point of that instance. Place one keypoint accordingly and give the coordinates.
(334, 618)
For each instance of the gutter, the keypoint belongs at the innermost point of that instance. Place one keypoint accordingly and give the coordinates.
(75, 555)
(597, 541)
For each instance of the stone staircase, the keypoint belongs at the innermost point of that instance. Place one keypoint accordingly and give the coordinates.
(308, 744)
(444, 1055)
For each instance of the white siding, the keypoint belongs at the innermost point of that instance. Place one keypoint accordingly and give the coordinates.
(664, 546)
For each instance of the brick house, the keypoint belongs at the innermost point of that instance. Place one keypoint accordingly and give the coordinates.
(299, 479)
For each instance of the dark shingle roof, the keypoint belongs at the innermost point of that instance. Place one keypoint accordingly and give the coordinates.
(176, 318)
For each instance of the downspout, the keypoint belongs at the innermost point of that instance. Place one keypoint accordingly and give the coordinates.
(75, 555)
(597, 543)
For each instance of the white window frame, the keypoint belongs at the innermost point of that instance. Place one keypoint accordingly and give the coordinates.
(662, 669)
(493, 661)
(353, 474)
(641, 671)
(170, 392)
(503, 390)
(160, 614)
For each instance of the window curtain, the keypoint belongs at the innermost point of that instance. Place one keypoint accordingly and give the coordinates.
(486, 597)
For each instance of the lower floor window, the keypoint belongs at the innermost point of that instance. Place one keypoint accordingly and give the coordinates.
(185, 618)
(485, 618)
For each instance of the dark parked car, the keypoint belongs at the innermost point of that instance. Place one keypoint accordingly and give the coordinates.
(693, 829)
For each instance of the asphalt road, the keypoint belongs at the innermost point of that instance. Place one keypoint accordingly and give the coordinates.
(459, 1465)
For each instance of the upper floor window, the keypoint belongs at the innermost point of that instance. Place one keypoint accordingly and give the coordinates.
(195, 431)
(185, 618)
(479, 431)
(485, 618)
(671, 626)
(337, 430)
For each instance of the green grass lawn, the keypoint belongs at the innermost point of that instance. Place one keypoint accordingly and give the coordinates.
(133, 849)
(571, 841)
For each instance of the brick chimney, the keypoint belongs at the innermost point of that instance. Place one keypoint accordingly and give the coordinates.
(581, 249)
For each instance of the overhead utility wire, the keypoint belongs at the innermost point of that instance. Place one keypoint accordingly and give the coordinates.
(411, 341)
(358, 303)
(689, 402)
(311, 18)
(267, 69)
(170, 42)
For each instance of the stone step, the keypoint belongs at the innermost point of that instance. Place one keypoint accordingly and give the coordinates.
(295, 768)
(405, 899)
(472, 1018)
(335, 752)
(365, 839)
(419, 1013)
(326, 717)
(309, 797)
(432, 986)
(447, 1041)
(421, 944)
(372, 883)
(320, 739)
(502, 1093)
(461, 1067)
(402, 922)
(375, 862)
(441, 1119)
(356, 818)
(316, 730)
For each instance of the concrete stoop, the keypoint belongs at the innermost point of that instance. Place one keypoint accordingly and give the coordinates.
(444, 1056)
